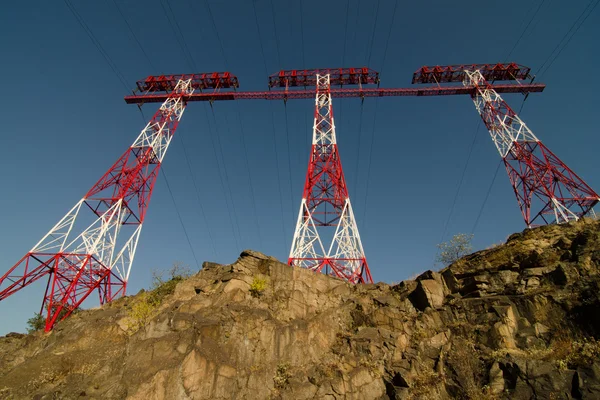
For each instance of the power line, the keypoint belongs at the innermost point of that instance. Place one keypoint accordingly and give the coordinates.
(134, 35)
(373, 33)
(301, 32)
(360, 122)
(487, 195)
(273, 130)
(524, 30)
(179, 216)
(289, 158)
(97, 44)
(345, 33)
(571, 37)
(252, 197)
(175, 27)
(226, 175)
(214, 25)
(212, 142)
(370, 159)
(276, 36)
(210, 236)
(460, 182)
(216, 30)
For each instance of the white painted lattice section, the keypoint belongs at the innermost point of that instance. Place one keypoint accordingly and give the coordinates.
(101, 238)
(504, 127)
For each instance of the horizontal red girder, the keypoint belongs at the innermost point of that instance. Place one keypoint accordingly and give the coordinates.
(338, 93)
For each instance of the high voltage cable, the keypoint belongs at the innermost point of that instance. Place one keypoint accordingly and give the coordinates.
(525, 30)
(273, 128)
(289, 158)
(224, 185)
(216, 30)
(227, 185)
(487, 195)
(214, 25)
(97, 44)
(387, 42)
(276, 36)
(369, 164)
(212, 142)
(179, 216)
(210, 236)
(344, 53)
(460, 182)
(252, 197)
(287, 133)
(373, 33)
(571, 37)
(134, 35)
(179, 37)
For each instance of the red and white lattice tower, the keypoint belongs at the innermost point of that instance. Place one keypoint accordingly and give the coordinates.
(546, 189)
(326, 204)
(98, 257)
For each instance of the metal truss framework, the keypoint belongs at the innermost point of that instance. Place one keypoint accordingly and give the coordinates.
(547, 190)
(79, 258)
(325, 203)
(99, 258)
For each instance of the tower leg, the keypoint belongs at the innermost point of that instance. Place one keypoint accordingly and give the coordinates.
(546, 189)
(79, 258)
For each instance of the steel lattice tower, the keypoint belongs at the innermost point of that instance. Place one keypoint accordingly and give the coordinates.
(547, 190)
(86, 252)
(325, 203)
(78, 257)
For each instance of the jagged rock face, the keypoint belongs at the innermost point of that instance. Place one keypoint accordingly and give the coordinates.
(517, 321)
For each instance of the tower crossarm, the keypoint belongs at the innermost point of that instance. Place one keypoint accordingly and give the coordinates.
(456, 73)
(337, 77)
(198, 82)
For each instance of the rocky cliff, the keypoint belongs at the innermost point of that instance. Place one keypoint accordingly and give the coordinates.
(516, 321)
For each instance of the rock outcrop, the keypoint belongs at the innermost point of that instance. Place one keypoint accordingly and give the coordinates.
(520, 320)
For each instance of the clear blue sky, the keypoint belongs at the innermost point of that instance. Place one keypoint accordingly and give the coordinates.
(65, 122)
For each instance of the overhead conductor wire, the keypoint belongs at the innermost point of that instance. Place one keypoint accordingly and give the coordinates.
(243, 135)
(190, 59)
(262, 50)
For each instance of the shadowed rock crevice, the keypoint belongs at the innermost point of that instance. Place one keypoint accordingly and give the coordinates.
(517, 321)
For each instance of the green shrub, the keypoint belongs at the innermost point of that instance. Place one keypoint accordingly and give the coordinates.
(282, 376)
(141, 311)
(258, 286)
(36, 323)
(457, 247)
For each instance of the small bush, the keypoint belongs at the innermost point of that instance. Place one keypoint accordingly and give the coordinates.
(258, 286)
(36, 323)
(282, 376)
(141, 311)
(457, 247)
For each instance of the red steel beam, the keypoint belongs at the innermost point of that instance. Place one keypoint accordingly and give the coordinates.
(338, 93)
(456, 73)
